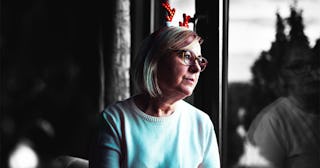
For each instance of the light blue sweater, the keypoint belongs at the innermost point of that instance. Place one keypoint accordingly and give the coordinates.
(131, 138)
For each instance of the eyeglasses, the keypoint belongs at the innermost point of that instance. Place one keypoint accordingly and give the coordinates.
(302, 68)
(189, 58)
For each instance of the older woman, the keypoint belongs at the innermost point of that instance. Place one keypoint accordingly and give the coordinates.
(287, 132)
(157, 128)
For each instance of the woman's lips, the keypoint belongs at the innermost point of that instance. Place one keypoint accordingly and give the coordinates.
(190, 80)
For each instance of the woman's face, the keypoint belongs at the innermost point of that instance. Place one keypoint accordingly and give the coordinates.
(175, 77)
(304, 77)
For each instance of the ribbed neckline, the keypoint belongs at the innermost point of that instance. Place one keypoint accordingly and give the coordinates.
(154, 119)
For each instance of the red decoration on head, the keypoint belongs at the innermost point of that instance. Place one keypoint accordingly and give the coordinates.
(185, 22)
(170, 11)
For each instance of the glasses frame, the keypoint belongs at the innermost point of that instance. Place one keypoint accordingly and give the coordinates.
(302, 67)
(192, 61)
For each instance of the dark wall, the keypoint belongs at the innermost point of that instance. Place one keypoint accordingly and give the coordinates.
(140, 28)
(206, 95)
(50, 73)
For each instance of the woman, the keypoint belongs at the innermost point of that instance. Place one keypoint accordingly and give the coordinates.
(156, 128)
(287, 132)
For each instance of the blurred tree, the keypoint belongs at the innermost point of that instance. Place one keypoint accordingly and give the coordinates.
(295, 21)
(316, 48)
(267, 84)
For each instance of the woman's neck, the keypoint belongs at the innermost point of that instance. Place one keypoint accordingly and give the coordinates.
(158, 107)
(307, 106)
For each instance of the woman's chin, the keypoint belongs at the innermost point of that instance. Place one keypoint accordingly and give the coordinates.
(188, 92)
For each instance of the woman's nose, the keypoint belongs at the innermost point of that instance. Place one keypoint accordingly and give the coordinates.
(195, 68)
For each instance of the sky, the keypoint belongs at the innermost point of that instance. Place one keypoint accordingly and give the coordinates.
(252, 30)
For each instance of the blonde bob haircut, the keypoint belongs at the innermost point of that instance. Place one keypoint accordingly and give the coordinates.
(159, 44)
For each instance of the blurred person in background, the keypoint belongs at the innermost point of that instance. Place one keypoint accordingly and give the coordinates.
(286, 133)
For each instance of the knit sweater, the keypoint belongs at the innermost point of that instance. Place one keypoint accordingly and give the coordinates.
(130, 138)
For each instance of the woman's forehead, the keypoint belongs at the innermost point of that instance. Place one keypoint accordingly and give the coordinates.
(294, 53)
(194, 46)
(300, 56)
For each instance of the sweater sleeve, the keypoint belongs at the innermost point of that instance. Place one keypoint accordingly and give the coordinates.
(264, 134)
(106, 150)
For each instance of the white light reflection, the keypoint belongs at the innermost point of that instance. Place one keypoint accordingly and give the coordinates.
(23, 156)
(252, 157)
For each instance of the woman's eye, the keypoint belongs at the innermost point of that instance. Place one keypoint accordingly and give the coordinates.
(187, 55)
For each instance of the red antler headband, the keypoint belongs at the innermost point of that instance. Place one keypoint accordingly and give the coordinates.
(185, 22)
(171, 12)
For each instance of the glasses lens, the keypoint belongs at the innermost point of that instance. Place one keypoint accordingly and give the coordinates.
(300, 67)
(202, 62)
(190, 59)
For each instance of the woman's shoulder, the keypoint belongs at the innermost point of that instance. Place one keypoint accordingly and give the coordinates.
(276, 110)
(190, 110)
(116, 109)
(190, 107)
(274, 115)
